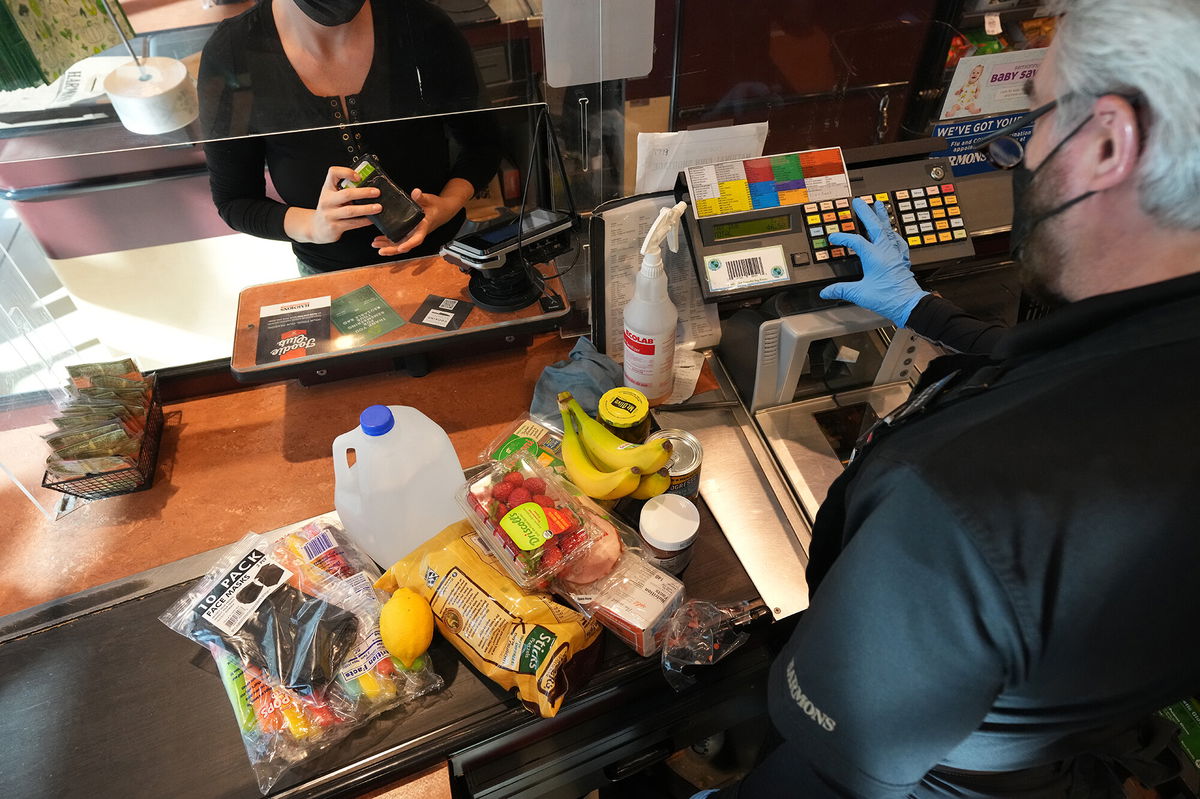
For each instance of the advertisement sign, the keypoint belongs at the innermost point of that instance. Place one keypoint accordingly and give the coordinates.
(964, 137)
(991, 84)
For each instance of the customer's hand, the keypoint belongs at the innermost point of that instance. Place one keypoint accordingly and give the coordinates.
(438, 211)
(336, 211)
(887, 287)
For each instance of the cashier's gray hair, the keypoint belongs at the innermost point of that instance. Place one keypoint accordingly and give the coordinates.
(1150, 48)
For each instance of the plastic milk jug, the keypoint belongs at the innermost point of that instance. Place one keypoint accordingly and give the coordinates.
(650, 317)
(399, 492)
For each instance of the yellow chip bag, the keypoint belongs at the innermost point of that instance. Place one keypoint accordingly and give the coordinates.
(522, 641)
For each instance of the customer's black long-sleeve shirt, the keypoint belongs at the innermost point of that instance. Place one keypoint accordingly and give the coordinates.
(248, 88)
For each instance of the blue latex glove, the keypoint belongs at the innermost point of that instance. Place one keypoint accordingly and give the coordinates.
(887, 287)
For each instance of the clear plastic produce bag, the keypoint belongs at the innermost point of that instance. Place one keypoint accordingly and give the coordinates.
(291, 619)
(703, 633)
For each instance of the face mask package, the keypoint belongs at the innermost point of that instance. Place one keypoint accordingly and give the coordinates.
(291, 619)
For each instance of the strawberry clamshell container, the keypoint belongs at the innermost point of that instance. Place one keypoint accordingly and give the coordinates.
(529, 521)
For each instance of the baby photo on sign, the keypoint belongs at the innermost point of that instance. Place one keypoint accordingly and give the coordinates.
(991, 84)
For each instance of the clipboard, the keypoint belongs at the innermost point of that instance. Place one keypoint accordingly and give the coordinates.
(614, 243)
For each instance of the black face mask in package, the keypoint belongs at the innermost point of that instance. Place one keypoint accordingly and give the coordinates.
(330, 13)
(400, 214)
(296, 639)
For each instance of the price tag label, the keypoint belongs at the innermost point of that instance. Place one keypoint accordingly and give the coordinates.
(991, 24)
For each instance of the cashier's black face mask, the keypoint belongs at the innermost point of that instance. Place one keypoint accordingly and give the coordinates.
(1026, 216)
(330, 13)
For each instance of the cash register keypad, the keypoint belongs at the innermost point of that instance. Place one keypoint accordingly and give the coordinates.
(928, 215)
(923, 215)
(824, 218)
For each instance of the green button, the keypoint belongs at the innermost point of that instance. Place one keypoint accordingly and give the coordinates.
(818, 243)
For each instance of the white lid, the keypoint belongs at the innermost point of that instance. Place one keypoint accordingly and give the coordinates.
(669, 522)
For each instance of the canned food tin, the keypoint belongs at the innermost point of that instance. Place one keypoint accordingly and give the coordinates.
(626, 413)
(684, 465)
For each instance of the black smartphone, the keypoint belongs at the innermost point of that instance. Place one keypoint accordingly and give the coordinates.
(400, 212)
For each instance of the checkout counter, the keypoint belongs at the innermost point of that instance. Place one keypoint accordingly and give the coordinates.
(100, 698)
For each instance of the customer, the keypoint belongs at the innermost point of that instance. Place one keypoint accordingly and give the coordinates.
(1004, 580)
(325, 67)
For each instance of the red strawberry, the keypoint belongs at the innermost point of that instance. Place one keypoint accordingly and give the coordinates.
(572, 540)
(514, 477)
(501, 491)
(551, 557)
(501, 509)
(543, 500)
(536, 485)
(519, 496)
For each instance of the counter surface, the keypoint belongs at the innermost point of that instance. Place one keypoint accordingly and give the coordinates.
(101, 699)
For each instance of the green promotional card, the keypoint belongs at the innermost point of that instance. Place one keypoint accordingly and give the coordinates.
(364, 314)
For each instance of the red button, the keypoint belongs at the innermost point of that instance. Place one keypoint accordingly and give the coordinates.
(947, 187)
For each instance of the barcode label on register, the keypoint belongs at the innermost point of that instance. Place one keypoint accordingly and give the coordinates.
(734, 270)
(745, 267)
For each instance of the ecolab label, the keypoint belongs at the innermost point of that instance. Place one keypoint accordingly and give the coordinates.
(647, 364)
(639, 345)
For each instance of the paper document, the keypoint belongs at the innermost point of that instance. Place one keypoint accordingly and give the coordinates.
(625, 227)
(662, 156)
(82, 81)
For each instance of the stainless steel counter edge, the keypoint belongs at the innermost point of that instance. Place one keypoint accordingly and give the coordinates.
(750, 498)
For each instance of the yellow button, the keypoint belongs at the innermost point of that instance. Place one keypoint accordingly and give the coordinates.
(881, 196)
(945, 236)
(929, 238)
(845, 214)
(914, 241)
(935, 201)
(814, 219)
(952, 199)
(955, 211)
(942, 224)
(940, 213)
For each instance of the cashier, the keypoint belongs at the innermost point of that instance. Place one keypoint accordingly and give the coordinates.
(326, 67)
(1003, 581)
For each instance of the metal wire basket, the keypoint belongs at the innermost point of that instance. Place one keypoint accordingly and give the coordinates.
(122, 481)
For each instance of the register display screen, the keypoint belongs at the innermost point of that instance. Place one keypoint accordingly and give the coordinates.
(751, 227)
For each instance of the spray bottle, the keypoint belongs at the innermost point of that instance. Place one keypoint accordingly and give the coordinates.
(650, 317)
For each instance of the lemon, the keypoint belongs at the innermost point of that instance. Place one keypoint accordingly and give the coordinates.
(406, 626)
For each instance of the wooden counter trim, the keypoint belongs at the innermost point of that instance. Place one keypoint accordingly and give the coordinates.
(404, 285)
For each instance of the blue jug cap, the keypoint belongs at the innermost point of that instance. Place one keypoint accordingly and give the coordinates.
(376, 420)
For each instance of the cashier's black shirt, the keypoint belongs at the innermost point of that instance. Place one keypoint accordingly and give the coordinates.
(422, 66)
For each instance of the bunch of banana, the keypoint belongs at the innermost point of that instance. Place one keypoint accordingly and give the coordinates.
(604, 466)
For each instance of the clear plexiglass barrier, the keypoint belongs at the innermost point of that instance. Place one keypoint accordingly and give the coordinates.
(138, 244)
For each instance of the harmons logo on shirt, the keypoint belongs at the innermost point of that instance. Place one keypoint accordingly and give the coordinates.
(805, 704)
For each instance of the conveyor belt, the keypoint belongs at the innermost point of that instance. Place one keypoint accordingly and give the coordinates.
(100, 699)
